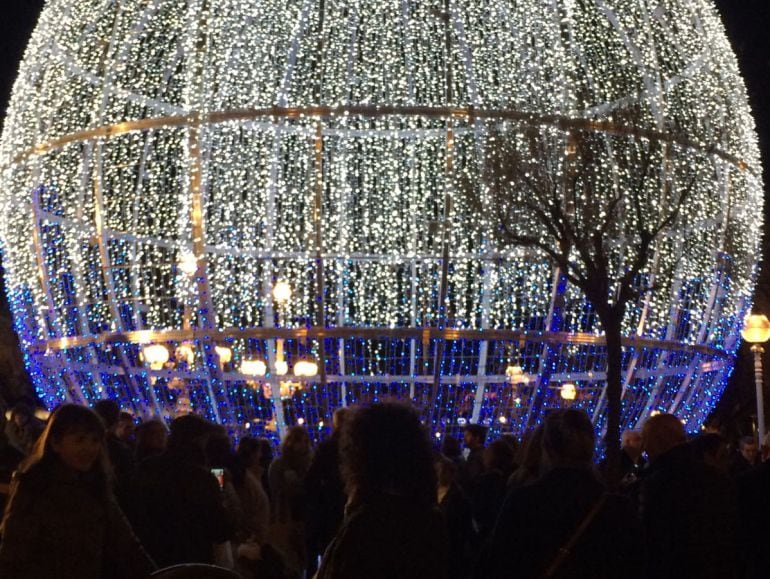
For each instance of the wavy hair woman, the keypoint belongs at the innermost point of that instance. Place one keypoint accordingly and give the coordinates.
(392, 526)
(62, 519)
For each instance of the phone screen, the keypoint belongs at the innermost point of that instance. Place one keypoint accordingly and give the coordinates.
(220, 474)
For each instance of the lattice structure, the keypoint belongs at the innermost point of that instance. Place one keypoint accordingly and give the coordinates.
(167, 164)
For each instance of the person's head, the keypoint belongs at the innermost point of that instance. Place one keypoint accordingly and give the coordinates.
(474, 436)
(249, 452)
(512, 442)
(531, 452)
(748, 449)
(499, 457)
(631, 442)
(446, 471)
(189, 434)
(451, 448)
(266, 453)
(126, 427)
(151, 437)
(568, 438)
(295, 447)
(74, 436)
(339, 417)
(661, 433)
(109, 411)
(386, 450)
(711, 448)
(21, 413)
(219, 449)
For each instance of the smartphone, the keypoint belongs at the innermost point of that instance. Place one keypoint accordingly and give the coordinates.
(220, 474)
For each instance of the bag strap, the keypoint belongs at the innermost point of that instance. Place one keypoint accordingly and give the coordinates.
(566, 549)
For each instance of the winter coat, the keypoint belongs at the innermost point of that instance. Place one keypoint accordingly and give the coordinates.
(754, 505)
(689, 513)
(456, 510)
(59, 524)
(325, 495)
(388, 537)
(177, 508)
(537, 520)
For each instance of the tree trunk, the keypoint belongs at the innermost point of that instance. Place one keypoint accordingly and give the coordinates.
(611, 319)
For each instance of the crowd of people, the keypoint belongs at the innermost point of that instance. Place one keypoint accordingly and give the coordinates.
(95, 495)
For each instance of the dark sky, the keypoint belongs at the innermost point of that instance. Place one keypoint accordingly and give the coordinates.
(748, 26)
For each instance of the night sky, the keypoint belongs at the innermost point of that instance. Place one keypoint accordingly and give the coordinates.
(748, 26)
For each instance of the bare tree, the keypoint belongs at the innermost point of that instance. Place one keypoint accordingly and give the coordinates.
(595, 204)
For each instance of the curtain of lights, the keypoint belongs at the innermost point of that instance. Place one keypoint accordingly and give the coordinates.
(263, 210)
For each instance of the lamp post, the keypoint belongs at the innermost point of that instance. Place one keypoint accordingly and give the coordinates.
(756, 331)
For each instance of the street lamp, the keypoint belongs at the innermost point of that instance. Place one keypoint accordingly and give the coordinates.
(756, 331)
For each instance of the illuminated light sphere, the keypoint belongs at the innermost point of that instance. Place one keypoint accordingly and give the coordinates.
(305, 369)
(253, 367)
(188, 263)
(155, 355)
(225, 354)
(282, 292)
(568, 391)
(343, 154)
(756, 329)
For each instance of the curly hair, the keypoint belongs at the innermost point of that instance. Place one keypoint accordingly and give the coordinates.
(385, 449)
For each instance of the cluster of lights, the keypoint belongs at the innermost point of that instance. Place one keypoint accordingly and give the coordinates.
(162, 192)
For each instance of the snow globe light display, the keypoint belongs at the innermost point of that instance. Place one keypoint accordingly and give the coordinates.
(258, 210)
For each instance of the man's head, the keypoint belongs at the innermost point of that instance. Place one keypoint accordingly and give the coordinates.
(748, 449)
(568, 438)
(474, 436)
(661, 433)
(631, 442)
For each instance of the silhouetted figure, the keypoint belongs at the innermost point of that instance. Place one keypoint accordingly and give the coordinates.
(491, 485)
(456, 509)
(746, 457)
(119, 452)
(474, 436)
(565, 521)
(175, 501)
(151, 439)
(392, 527)
(62, 519)
(711, 448)
(10, 458)
(754, 509)
(687, 507)
(326, 496)
(529, 460)
(23, 428)
(288, 506)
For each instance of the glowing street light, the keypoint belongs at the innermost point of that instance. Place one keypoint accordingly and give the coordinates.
(756, 331)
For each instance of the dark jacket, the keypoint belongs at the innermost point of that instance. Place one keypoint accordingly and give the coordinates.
(539, 519)
(326, 496)
(176, 508)
(456, 509)
(689, 514)
(62, 525)
(754, 509)
(488, 497)
(388, 537)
